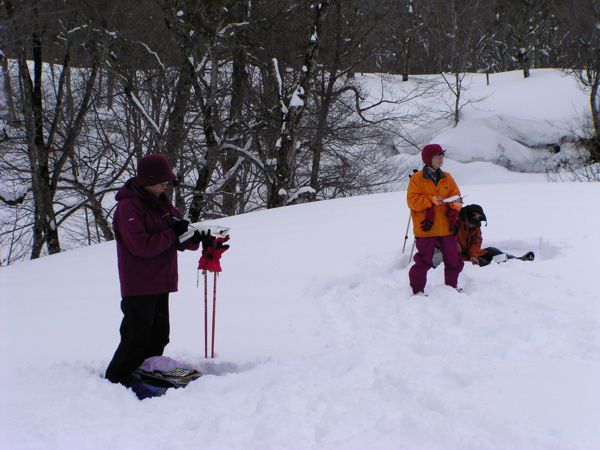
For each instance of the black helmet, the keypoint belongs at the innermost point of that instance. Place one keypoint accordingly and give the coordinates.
(473, 214)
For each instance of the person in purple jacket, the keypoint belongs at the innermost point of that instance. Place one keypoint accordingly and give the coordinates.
(147, 230)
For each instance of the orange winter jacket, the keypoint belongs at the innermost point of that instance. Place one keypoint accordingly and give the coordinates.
(420, 190)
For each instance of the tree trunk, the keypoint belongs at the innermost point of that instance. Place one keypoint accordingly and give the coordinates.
(68, 94)
(595, 101)
(45, 217)
(8, 91)
(44, 176)
(176, 132)
(101, 222)
(595, 106)
(457, 100)
(317, 145)
(198, 203)
(238, 96)
(110, 89)
(283, 182)
(406, 58)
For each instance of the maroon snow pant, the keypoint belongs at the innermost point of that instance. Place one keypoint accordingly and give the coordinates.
(423, 261)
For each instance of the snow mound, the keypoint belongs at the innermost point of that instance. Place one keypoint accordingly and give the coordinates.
(525, 125)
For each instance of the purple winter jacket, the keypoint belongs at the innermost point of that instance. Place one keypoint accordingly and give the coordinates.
(146, 244)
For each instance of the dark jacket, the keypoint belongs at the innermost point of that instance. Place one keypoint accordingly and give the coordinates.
(146, 244)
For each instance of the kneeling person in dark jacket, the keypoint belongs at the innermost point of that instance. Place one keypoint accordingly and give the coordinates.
(147, 229)
(469, 239)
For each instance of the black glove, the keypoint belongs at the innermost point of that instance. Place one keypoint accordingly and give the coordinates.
(200, 236)
(180, 227)
(220, 245)
(196, 237)
(207, 240)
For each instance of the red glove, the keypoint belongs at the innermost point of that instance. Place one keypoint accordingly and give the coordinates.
(429, 219)
(452, 219)
(212, 249)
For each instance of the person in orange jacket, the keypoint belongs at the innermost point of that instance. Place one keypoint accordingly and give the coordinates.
(434, 221)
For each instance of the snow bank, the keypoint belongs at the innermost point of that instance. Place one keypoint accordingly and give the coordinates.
(514, 122)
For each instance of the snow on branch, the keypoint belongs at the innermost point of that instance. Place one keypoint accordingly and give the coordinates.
(153, 53)
(278, 77)
(296, 100)
(139, 105)
(231, 26)
(245, 153)
(304, 191)
(13, 199)
(226, 177)
(115, 35)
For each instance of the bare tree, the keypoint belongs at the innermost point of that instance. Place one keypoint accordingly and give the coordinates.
(528, 26)
(292, 107)
(455, 27)
(8, 89)
(50, 136)
(586, 63)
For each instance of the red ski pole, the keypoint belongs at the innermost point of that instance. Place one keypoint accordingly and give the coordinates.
(213, 316)
(205, 314)
(209, 261)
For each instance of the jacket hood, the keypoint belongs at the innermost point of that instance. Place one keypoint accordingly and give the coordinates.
(128, 190)
(132, 190)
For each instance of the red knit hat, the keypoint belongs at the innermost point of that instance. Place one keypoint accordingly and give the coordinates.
(429, 150)
(153, 169)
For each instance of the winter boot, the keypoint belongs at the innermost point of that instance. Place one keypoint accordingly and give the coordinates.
(529, 256)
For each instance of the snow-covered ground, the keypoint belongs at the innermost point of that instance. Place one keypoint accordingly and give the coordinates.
(320, 343)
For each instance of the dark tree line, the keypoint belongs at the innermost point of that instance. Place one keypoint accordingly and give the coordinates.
(254, 102)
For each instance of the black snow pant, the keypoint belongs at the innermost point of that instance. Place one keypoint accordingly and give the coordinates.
(144, 333)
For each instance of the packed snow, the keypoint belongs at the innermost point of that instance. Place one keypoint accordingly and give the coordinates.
(320, 343)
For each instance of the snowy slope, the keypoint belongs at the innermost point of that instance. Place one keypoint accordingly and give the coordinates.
(320, 344)
(510, 122)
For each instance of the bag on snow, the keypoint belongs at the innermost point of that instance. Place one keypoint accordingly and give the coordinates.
(159, 373)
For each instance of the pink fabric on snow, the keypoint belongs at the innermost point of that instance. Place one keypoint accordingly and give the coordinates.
(162, 364)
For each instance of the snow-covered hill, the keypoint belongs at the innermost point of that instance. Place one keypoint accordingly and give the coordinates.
(320, 343)
(526, 125)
